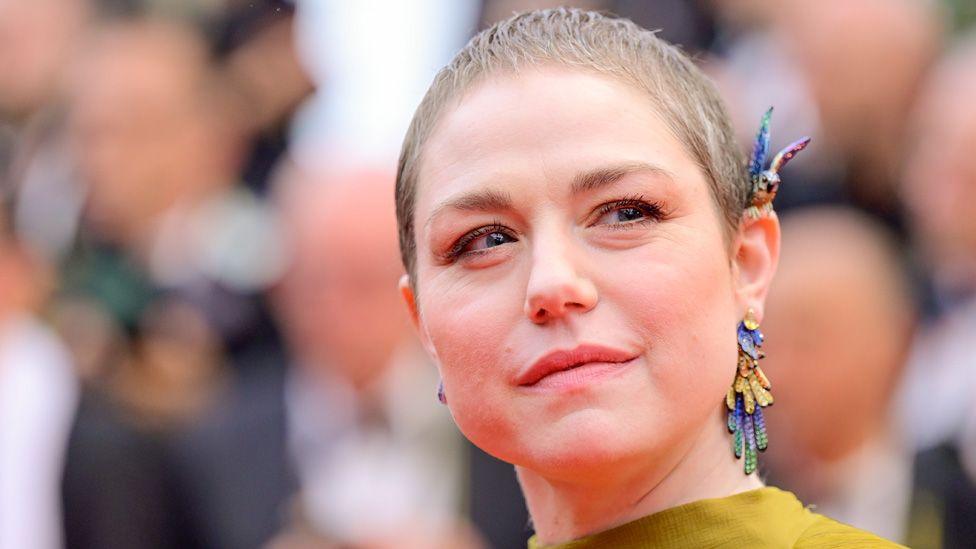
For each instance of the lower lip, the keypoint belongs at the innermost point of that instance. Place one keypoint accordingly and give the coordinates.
(580, 376)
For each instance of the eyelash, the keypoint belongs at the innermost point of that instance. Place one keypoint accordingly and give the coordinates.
(457, 250)
(654, 211)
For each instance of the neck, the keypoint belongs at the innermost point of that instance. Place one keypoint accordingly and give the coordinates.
(563, 511)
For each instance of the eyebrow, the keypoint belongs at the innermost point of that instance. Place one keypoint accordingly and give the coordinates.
(478, 201)
(604, 177)
(492, 200)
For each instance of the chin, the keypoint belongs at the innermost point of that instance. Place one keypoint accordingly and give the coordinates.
(586, 443)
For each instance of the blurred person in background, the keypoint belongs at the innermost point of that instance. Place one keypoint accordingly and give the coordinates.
(38, 393)
(151, 154)
(939, 191)
(939, 185)
(164, 135)
(837, 44)
(37, 42)
(841, 317)
(38, 384)
(836, 64)
(351, 428)
(158, 258)
(159, 155)
(255, 44)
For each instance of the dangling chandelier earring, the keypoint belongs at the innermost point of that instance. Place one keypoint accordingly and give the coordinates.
(748, 395)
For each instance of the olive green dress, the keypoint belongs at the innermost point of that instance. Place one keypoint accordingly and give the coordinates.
(766, 517)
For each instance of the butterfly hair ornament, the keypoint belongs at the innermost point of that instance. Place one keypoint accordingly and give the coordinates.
(765, 182)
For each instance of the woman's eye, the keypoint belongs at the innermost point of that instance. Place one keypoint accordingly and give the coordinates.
(627, 212)
(489, 240)
(480, 241)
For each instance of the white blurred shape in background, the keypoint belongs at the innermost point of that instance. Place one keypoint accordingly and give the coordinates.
(372, 61)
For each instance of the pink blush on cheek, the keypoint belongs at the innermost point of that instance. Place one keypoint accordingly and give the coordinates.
(473, 360)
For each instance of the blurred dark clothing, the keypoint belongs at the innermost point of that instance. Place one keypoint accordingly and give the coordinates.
(241, 465)
(944, 502)
(234, 465)
(119, 491)
(688, 24)
(222, 483)
(242, 19)
(495, 501)
(265, 151)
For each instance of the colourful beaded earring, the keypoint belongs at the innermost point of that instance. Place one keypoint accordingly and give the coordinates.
(748, 395)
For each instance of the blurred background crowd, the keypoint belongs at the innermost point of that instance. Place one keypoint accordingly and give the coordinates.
(201, 340)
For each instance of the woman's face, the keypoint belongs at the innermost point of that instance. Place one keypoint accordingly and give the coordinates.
(562, 230)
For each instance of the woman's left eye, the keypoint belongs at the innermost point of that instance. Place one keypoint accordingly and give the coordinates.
(626, 212)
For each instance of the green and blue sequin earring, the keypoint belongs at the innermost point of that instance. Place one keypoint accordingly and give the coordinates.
(748, 395)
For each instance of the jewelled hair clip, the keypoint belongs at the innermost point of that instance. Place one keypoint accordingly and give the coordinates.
(765, 183)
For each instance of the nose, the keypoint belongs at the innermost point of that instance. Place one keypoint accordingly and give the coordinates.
(556, 286)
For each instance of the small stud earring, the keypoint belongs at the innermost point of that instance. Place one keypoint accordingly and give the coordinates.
(441, 396)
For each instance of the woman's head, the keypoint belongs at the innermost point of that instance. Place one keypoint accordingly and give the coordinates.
(686, 101)
(570, 193)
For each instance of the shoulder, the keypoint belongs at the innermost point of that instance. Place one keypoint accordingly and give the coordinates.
(824, 532)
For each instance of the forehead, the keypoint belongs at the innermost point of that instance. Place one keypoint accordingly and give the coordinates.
(545, 124)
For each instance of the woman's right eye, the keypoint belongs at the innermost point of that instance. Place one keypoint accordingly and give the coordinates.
(481, 240)
(490, 240)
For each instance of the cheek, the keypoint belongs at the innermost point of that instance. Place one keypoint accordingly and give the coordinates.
(469, 329)
(679, 300)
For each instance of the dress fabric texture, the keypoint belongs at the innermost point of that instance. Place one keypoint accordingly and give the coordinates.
(762, 518)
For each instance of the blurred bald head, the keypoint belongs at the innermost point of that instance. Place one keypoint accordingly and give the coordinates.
(338, 302)
(864, 62)
(839, 317)
(939, 187)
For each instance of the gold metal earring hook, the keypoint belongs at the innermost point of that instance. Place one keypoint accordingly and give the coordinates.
(750, 319)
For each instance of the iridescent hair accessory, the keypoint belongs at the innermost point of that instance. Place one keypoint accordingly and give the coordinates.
(765, 183)
(748, 395)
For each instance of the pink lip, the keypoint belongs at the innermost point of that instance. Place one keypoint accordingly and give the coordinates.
(589, 360)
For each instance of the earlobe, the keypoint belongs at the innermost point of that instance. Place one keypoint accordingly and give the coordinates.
(755, 259)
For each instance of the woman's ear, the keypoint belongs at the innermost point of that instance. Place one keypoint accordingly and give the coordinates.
(754, 260)
(410, 299)
(406, 291)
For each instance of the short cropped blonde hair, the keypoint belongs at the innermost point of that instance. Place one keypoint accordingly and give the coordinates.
(684, 98)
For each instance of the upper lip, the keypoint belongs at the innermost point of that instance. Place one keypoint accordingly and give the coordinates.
(565, 359)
